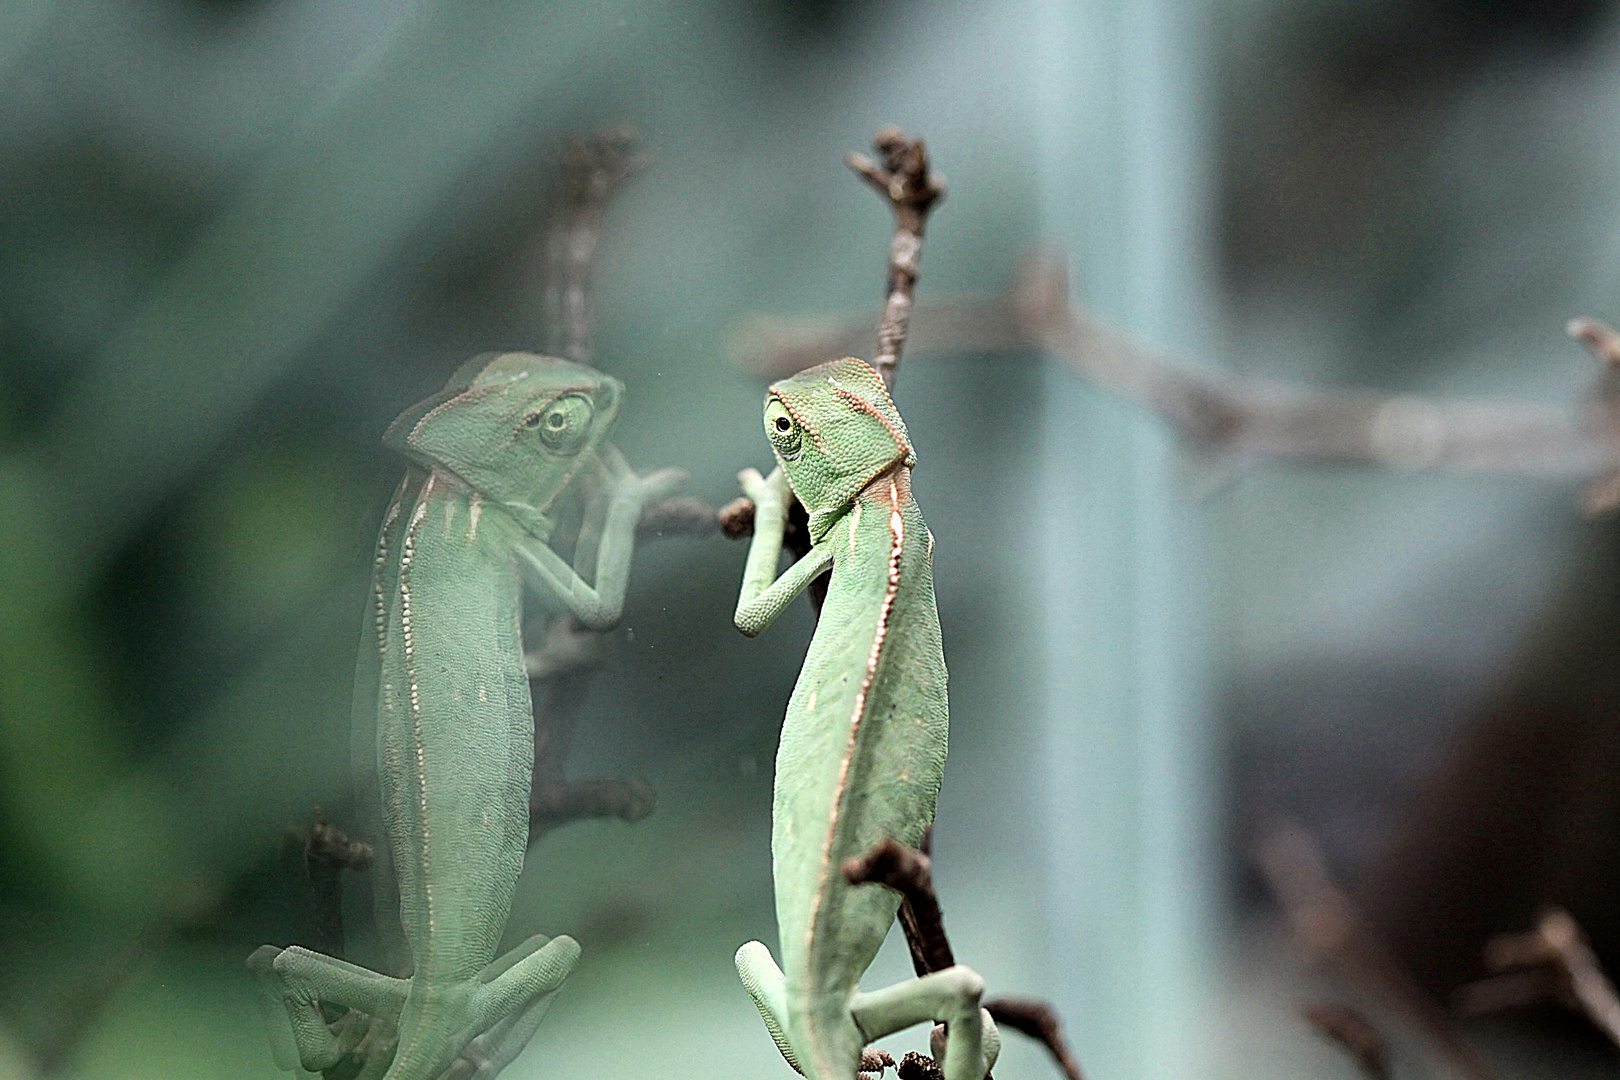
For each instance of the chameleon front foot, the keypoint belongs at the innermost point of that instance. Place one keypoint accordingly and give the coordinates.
(950, 997)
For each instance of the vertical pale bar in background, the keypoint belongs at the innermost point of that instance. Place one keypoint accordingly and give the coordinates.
(1129, 768)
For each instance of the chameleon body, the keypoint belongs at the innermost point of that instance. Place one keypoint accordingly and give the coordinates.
(448, 727)
(862, 751)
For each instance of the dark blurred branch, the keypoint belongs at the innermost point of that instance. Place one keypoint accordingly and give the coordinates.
(912, 190)
(1248, 418)
(910, 872)
(1551, 962)
(593, 169)
(327, 853)
(1352, 1030)
(1323, 918)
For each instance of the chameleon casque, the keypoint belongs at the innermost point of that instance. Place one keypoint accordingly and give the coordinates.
(444, 731)
(862, 750)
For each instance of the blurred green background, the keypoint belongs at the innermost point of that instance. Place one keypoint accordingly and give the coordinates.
(238, 236)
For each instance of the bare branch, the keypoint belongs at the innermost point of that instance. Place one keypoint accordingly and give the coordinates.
(1553, 961)
(554, 804)
(1597, 336)
(912, 190)
(1253, 419)
(737, 518)
(910, 872)
(1325, 920)
(1352, 1030)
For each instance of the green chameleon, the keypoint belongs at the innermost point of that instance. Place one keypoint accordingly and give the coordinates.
(863, 743)
(443, 706)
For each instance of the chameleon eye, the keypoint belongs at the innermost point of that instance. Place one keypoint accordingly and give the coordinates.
(784, 432)
(564, 424)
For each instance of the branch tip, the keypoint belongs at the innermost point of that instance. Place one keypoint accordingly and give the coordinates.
(1351, 1029)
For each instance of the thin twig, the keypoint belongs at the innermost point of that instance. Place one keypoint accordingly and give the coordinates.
(1036, 1019)
(912, 190)
(1351, 1029)
(1553, 961)
(1323, 918)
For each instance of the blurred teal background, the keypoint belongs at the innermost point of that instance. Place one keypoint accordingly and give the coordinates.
(238, 236)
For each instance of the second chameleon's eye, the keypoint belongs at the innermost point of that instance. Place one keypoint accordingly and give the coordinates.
(783, 424)
(564, 423)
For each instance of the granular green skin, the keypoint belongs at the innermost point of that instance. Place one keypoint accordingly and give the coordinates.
(863, 743)
(444, 729)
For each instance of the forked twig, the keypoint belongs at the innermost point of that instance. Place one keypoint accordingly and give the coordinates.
(912, 190)
(1325, 920)
(1553, 961)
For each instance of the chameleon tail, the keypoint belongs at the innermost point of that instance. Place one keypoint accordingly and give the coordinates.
(767, 986)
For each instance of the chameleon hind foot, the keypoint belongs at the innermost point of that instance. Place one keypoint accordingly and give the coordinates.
(951, 997)
(515, 992)
(300, 980)
(533, 971)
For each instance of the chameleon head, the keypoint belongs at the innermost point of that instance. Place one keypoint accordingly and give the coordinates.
(834, 429)
(516, 427)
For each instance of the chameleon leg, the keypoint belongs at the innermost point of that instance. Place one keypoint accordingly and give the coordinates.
(951, 997)
(273, 1006)
(534, 970)
(303, 980)
(765, 984)
(485, 1056)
